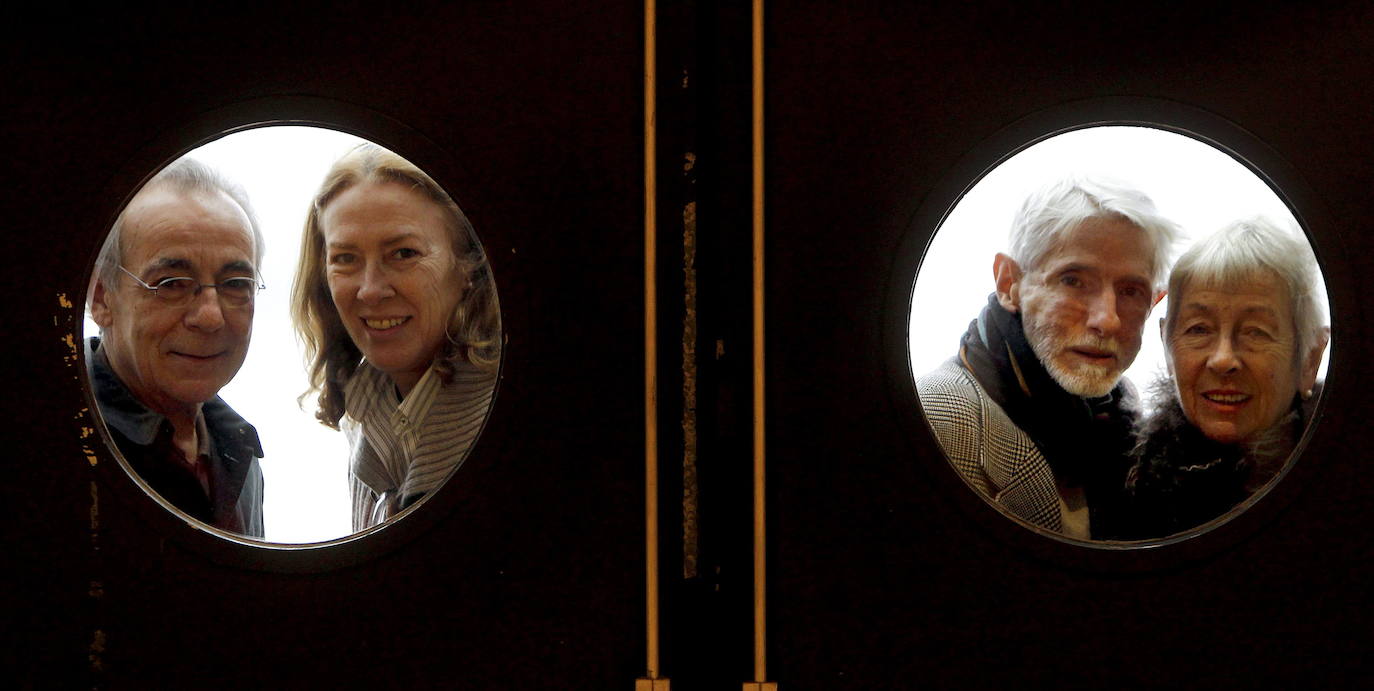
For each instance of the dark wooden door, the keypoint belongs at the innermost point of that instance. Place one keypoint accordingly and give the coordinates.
(882, 575)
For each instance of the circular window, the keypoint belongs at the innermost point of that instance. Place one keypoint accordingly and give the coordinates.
(1118, 336)
(296, 337)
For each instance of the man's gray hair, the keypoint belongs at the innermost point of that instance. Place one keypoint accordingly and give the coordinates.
(188, 176)
(1058, 208)
(1237, 252)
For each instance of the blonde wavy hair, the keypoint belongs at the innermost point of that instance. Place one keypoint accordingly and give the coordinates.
(474, 330)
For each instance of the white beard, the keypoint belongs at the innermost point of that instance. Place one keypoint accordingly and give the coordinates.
(1086, 380)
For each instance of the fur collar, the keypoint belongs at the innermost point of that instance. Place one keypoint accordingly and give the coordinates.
(1181, 479)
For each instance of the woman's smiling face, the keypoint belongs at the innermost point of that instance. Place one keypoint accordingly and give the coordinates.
(1233, 354)
(392, 274)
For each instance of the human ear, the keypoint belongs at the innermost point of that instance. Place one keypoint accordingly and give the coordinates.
(1308, 377)
(1168, 352)
(1007, 274)
(100, 307)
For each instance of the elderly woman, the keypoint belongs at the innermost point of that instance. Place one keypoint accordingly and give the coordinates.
(394, 300)
(1245, 331)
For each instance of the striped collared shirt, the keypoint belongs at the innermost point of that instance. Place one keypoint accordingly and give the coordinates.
(404, 449)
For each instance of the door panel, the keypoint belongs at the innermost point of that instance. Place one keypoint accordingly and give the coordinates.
(885, 575)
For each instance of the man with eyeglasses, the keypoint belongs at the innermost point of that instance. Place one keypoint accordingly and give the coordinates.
(173, 295)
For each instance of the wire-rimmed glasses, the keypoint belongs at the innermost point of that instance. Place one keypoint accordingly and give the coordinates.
(178, 290)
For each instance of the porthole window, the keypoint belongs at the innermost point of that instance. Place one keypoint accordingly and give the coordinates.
(272, 279)
(1119, 335)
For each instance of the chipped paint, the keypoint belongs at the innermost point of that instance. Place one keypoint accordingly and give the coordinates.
(95, 590)
(690, 521)
(97, 650)
(95, 510)
(69, 338)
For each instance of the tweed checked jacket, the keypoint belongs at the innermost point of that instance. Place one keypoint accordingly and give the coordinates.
(987, 448)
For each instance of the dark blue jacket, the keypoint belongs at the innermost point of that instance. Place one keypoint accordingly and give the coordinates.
(144, 438)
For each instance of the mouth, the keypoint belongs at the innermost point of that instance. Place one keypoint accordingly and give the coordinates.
(1226, 398)
(384, 324)
(196, 356)
(1094, 354)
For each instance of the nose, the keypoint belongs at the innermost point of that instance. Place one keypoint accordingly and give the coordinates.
(375, 285)
(205, 312)
(1103, 318)
(1222, 359)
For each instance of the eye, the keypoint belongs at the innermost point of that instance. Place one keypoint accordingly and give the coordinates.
(1198, 329)
(1257, 333)
(405, 253)
(239, 286)
(342, 258)
(176, 285)
(1133, 292)
(1070, 280)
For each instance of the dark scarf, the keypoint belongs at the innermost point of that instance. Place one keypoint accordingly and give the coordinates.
(1085, 440)
(1181, 479)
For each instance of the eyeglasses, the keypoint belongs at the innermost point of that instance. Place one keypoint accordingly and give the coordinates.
(178, 290)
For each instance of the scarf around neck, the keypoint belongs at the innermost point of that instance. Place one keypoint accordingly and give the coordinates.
(405, 448)
(1181, 479)
(1084, 440)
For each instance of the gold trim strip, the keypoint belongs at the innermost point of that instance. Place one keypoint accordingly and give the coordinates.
(650, 343)
(760, 631)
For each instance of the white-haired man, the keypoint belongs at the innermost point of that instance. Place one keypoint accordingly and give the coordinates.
(1032, 410)
(173, 294)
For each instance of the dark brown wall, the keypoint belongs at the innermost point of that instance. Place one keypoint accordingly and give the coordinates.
(529, 575)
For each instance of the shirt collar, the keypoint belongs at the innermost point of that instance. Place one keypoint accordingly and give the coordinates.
(411, 414)
(371, 392)
(128, 416)
(121, 411)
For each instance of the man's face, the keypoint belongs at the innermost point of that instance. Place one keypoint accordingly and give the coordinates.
(173, 357)
(1084, 306)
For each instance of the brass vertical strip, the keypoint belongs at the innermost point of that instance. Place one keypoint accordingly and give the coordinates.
(760, 630)
(650, 342)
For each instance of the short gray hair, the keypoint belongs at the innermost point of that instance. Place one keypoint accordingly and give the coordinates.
(188, 176)
(1243, 248)
(1053, 210)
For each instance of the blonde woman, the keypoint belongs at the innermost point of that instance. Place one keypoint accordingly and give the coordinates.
(394, 301)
